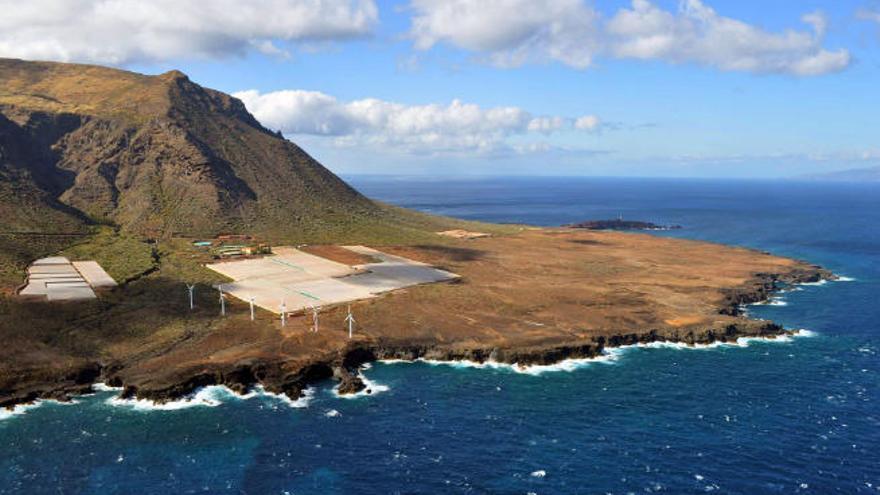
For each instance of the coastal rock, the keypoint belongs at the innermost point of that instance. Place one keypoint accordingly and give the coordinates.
(620, 224)
(349, 383)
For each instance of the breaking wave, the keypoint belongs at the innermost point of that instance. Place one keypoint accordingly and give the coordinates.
(609, 356)
(21, 409)
(18, 410)
(821, 282)
(210, 396)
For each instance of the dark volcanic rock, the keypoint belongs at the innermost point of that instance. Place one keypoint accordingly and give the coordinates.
(764, 284)
(349, 383)
(620, 224)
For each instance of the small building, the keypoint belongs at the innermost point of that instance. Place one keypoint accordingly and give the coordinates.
(257, 249)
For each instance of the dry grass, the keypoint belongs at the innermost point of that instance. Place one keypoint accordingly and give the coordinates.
(81, 89)
(535, 288)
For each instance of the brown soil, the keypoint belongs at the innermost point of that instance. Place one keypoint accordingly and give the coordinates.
(535, 297)
(463, 234)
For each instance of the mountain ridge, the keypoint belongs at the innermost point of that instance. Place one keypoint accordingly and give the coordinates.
(155, 154)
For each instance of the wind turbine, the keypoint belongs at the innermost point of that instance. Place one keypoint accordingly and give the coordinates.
(283, 313)
(315, 310)
(191, 288)
(222, 300)
(252, 307)
(350, 320)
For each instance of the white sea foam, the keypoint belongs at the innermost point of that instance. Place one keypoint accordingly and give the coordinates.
(299, 403)
(739, 342)
(332, 413)
(103, 387)
(210, 396)
(821, 282)
(842, 278)
(610, 355)
(803, 332)
(531, 369)
(773, 301)
(539, 473)
(20, 409)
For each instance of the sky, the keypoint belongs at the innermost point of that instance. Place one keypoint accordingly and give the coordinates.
(690, 88)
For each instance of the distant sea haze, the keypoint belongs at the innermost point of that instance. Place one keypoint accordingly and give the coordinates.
(793, 416)
(870, 174)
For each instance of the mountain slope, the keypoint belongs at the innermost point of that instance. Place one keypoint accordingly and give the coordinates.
(154, 154)
(28, 188)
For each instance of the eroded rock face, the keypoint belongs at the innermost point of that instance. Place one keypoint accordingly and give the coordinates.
(765, 284)
(344, 368)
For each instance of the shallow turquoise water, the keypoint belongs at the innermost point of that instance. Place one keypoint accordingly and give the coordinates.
(793, 417)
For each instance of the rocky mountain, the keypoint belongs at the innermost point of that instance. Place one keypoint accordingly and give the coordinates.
(159, 154)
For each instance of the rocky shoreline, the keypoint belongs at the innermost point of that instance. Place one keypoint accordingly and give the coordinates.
(280, 377)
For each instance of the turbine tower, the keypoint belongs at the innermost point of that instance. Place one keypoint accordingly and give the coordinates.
(191, 288)
(222, 300)
(315, 310)
(251, 300)
(350, 320)
(283, 313)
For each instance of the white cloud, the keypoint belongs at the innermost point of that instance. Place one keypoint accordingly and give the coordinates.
(514, 32)
(869, 15)
(546, 124)
(698, 34)
(128, 31)
(432, 129)
(511, 32)
(587, 123)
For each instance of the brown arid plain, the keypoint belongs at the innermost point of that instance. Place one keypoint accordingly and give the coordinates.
(535, 296)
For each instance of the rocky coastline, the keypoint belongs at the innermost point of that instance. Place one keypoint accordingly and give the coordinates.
(343, 365)
(620, 224)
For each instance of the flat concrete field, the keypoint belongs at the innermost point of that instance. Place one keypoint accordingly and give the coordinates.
(299, 280)
(57, 279)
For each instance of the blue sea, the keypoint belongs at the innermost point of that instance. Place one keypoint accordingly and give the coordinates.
(801, 416)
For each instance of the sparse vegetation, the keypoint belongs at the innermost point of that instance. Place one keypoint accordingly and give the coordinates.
(123, 256)
(18, 250)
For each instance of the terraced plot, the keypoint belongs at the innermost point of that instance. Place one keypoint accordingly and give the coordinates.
(57, 279)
